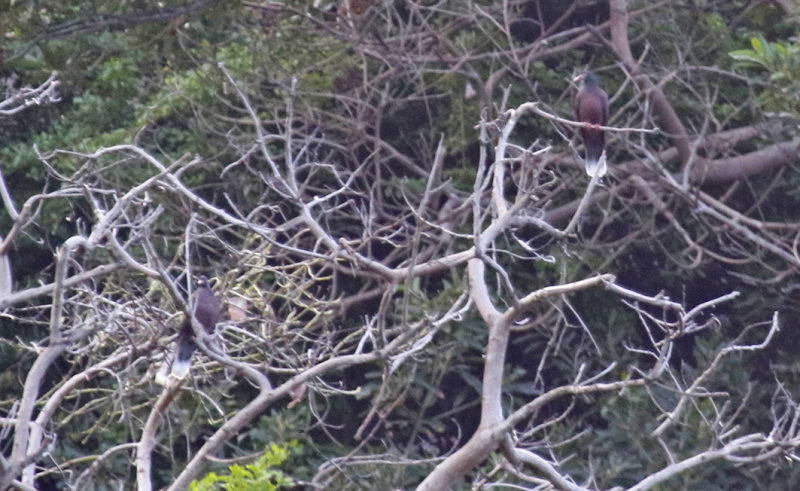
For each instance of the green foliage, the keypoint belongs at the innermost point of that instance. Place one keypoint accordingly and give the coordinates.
(118, 77)
(181, 89)
(781, 61)
(238, 58)
(262, 475)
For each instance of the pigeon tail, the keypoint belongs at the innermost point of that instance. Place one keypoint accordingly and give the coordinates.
(180, 368)
(183, 360)
(596, 166)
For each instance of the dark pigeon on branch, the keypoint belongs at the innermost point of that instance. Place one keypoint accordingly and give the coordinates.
(206, 307)
(591, 106)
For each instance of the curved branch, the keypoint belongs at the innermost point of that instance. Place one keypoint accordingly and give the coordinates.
(753, 163)
(706, 172)
(671, 123)
(24, 438)
(747, 443)
(144, 449)
(265, 398)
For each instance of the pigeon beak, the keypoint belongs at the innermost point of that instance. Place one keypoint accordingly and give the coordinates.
(578, 78)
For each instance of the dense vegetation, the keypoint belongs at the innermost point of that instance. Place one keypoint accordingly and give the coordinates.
(421, 285)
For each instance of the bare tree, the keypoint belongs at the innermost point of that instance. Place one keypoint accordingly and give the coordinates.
(320, 213)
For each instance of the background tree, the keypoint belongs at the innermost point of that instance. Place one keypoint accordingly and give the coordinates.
(422, 288)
